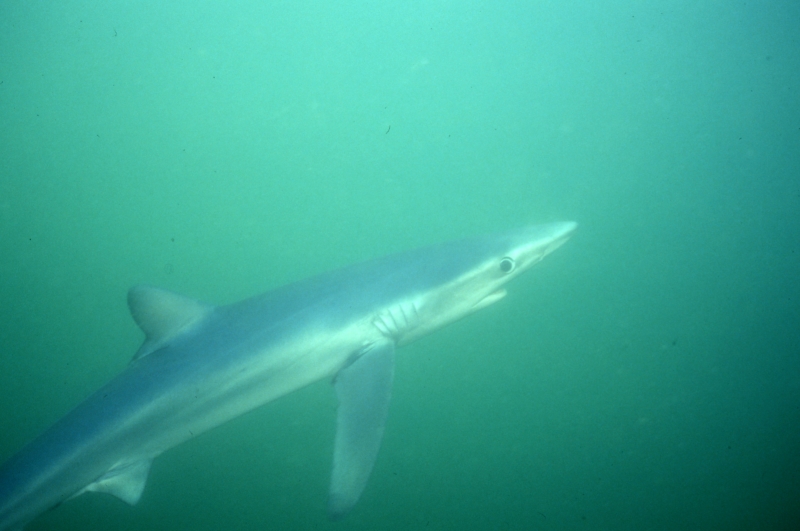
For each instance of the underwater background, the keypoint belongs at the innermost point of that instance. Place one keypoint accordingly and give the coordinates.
(644, 376)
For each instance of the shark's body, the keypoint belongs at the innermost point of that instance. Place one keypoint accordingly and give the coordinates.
(202, 365)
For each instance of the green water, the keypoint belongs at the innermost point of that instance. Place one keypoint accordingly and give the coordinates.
(645, 376)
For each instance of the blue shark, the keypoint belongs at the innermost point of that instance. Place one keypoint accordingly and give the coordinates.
(202, 365)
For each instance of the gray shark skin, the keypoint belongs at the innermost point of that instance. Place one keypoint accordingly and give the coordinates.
(201, 365)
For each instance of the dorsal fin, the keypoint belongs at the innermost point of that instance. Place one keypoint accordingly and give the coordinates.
(162, 315)
(125, 482)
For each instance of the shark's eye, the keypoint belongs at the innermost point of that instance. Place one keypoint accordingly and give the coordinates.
(506, 265)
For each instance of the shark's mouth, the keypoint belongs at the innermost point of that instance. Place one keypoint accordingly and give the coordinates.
(489, 299)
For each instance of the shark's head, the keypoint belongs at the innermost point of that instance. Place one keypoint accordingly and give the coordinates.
(472, 273)
(521, 249)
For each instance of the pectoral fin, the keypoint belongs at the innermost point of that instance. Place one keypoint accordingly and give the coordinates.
(363, 389)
